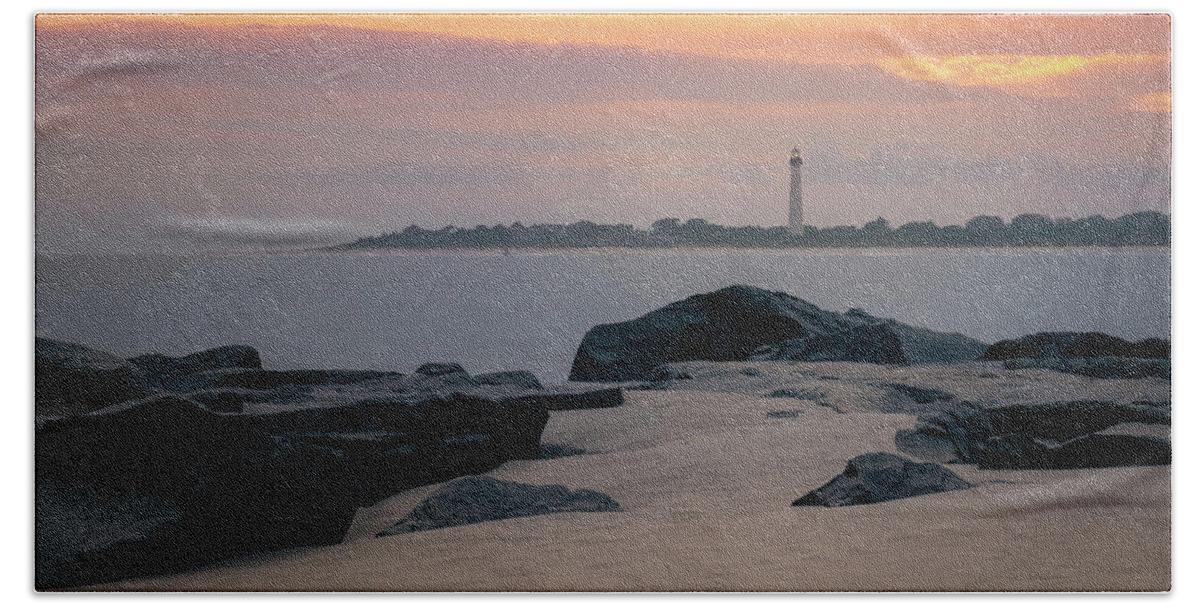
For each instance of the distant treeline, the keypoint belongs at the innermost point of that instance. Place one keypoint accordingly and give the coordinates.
(1145, 228)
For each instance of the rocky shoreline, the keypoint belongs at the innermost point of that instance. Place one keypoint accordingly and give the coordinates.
(157, 465)
(171, 463)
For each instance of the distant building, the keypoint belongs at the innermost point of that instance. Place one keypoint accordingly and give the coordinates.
(795, 204)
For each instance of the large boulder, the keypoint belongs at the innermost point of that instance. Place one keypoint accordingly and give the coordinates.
(73, 379)
(236, 489)
(734, 323)
(1075, 434)
(881, 477)
(1072, 345)
(258, 460)
(479, 498)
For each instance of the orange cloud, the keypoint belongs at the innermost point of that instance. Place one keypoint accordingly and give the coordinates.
(846, 38)
(1157, 103)
(1040, 55)
(1000, 70)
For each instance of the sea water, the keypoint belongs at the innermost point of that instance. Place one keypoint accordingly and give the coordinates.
(529, 310)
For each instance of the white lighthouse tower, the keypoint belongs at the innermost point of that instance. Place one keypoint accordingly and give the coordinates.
(795, 204)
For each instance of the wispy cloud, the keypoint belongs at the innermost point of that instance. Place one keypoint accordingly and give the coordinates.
(303, 123)
(1001, 70)
(252, 231)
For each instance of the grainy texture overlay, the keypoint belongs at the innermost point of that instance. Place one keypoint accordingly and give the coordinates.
(603, 302)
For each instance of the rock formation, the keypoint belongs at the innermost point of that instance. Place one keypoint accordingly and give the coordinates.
(1061, 435)
(1070, 345)
(479, 498)
(1099, 367)
(880, 477)
(216, 457)
(1095, 355)
(739, 323)
(71, 378)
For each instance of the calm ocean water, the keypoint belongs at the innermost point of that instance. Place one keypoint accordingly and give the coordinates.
(530, 310)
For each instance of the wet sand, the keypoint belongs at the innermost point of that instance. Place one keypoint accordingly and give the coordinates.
(706, 481)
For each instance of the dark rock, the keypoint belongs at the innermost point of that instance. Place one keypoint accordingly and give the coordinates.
(726, 325)
(523, 379)
(229, 402)
(1037, 436)
(1064, 420)
(551, 451)
(875, 343)
(582, 398)
(476, 499)
(948, 436)
(1150, 348)
(440, 369)
(1015, 451)
(928, 444)
(84, 524)
(806, 394)
(922, 395)
(1099, 367)
(1071, 345)
(1089, 451)
(667, 373)
(73, 379)
(924, 346)
(880, 477)
(731, 324)
(785, 414)
(222, 357)
(260, 379)
(261, 480)
(196, 371)
(238, 490)
(225, 459)
(1112, 450)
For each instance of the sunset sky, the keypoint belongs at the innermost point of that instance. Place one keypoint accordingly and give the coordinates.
(178, 131)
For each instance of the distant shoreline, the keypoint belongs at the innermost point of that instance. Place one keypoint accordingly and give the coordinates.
(1140, 229)
(533, 252)
(735, 250)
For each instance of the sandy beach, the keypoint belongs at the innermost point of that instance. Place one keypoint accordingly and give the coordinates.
(706, 479)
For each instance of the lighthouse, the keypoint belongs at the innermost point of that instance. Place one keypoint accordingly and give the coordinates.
(795, 204)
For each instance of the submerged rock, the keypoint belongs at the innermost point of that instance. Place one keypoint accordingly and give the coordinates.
(479, 498)
(881, 477)
(734, 323)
